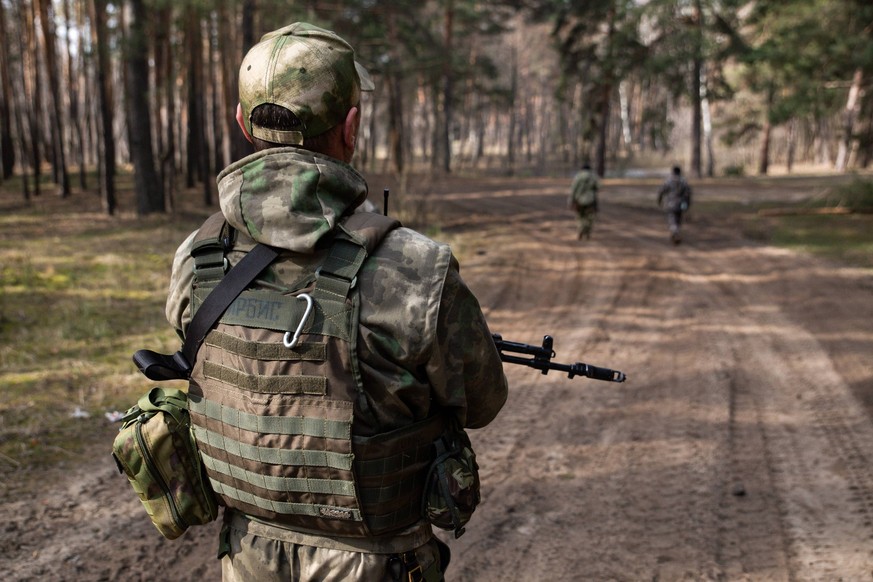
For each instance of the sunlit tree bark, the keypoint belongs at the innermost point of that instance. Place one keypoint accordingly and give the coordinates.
(106, 140)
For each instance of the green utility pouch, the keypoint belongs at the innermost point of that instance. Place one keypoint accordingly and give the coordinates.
(452, 486)
(156, 450)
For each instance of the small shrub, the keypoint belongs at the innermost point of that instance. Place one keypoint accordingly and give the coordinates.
(856, 195)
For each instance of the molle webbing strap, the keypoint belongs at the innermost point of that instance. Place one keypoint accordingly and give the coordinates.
(266, 351)
(286, 484)
(281, 507)
(288, 425)
(274, 456)
(275, 384)
(326, 478)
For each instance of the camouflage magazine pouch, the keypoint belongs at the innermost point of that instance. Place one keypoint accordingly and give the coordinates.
(156, 450)
(452, 485)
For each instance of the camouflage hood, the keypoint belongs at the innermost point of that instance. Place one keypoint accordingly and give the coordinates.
(289, 197)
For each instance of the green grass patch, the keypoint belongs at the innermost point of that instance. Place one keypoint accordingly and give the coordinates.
(79, 293)
(856, 195)
(836, 223)
(845, 238)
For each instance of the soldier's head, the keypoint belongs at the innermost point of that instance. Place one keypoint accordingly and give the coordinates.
(677, 170)
(301, 86)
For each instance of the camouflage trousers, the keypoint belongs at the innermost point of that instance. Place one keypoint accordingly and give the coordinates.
(255, 553)
(585, 216)
(674, 221)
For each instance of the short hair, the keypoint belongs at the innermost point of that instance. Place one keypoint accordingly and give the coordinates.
(272, 116)
(677, 170)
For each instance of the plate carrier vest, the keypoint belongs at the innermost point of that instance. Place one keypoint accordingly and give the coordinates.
(274, 390)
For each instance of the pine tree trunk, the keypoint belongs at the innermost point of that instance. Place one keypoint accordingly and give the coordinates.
(231, 57)
(605, 96)
(849, 115)
(77, 142)
(448, 89)
(696, 106)
(603, 129)
(198, 149)
(106, 138)
(193, 66)
(57, 131)
(764, 154)
(7, 151)
(35, 92)
(513, 113)
(19, 105)
(216, 134)
(396, 137)
(148, 188)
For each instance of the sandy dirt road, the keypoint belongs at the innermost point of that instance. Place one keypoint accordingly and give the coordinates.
(740, 448)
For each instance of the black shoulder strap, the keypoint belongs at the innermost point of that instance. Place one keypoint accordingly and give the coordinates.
(160, 367)
(212, 242)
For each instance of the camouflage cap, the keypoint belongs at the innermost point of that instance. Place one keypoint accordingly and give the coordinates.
(306, 69)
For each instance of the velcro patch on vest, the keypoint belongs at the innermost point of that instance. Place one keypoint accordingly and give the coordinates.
(336, 513)
(260, 309)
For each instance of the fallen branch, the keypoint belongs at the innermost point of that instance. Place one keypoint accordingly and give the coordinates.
(10, 460)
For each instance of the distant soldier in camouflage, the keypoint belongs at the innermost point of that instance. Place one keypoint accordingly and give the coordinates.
(583, 199)
(316, 449)
(675, 198)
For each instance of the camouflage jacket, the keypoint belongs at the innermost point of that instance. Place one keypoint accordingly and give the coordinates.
(423, 340)
(583, 190)
(675, 194)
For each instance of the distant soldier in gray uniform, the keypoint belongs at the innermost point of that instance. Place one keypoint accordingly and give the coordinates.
(583, 199)
(675, 198)
(318, 445)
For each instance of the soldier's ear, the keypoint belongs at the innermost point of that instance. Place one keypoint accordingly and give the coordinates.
(350, 128)
(350, 134)
(241, 121)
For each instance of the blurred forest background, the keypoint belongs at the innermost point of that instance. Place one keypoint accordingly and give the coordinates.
(90, 88)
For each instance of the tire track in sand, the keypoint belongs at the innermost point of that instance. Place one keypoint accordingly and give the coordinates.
(720, 460)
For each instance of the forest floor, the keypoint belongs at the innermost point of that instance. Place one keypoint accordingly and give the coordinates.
(740, 447)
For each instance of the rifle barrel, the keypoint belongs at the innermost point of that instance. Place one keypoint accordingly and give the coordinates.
(542, 360)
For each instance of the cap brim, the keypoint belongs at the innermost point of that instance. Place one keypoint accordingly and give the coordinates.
(364, 76)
